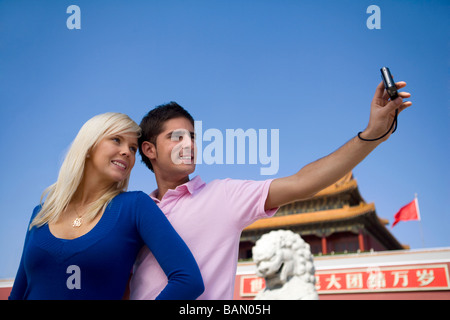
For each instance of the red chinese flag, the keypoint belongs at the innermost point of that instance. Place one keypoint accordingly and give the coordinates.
(408, 212)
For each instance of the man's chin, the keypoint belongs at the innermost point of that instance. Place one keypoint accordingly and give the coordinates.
(186, 168)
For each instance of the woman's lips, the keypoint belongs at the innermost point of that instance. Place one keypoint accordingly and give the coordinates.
(121, 164)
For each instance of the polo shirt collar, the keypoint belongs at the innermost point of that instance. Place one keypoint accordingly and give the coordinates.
(189, 187)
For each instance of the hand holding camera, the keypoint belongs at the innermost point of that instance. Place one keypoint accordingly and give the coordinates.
(385, 107)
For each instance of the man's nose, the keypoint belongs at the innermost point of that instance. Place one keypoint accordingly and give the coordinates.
(186, 141)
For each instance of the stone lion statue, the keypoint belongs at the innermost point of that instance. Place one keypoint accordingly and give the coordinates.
(284, 260)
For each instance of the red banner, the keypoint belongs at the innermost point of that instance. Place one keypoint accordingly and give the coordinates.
(372, 279)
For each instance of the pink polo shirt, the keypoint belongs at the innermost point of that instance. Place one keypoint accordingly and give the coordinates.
(210, 218)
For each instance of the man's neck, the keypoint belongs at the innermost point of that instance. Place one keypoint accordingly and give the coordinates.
(165, 184)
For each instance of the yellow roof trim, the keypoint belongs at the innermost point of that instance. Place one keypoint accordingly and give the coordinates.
(312, 217)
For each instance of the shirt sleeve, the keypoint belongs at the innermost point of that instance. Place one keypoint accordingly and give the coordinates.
(176, 260)
(247, 199)
(20, 281)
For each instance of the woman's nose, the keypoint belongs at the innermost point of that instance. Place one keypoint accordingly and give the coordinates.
(125, 152)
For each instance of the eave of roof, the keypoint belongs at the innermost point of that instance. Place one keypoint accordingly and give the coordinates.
(344, 184)
(313, 217)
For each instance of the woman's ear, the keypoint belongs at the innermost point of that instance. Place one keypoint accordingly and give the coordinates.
(148, 149)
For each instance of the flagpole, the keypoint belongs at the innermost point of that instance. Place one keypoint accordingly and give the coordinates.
(420, 219)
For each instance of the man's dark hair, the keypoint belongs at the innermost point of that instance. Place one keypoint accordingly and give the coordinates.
(153, 124)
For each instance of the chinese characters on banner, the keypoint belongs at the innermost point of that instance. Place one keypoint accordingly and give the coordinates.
(383, 279)
(373, 279)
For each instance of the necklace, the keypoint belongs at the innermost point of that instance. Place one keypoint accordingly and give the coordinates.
(77, 222)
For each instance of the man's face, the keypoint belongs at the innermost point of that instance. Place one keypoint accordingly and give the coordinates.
(175, 149)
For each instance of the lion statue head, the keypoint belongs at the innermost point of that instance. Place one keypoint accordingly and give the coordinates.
(283, 258)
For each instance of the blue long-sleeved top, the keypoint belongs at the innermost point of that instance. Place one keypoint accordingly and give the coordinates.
(97, 265)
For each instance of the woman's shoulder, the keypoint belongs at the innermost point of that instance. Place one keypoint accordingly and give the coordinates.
(129, 195)
(36, 210)
(135, 198)
(136, 204)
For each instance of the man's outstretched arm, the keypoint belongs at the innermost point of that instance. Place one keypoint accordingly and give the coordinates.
(323, 172)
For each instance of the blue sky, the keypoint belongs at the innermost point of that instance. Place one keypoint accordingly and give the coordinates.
(306, 68)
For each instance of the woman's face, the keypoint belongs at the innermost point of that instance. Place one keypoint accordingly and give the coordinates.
(112, 159)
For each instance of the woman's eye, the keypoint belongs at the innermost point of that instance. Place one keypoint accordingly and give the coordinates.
(133, 149)
(115, 139)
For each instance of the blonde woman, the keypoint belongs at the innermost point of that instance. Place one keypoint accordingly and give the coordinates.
(83, 240)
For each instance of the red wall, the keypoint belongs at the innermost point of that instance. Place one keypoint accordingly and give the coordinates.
(4, 293)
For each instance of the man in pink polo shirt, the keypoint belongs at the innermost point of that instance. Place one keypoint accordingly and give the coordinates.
(210, 217)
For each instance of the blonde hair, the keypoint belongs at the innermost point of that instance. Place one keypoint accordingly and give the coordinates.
(71, 172)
